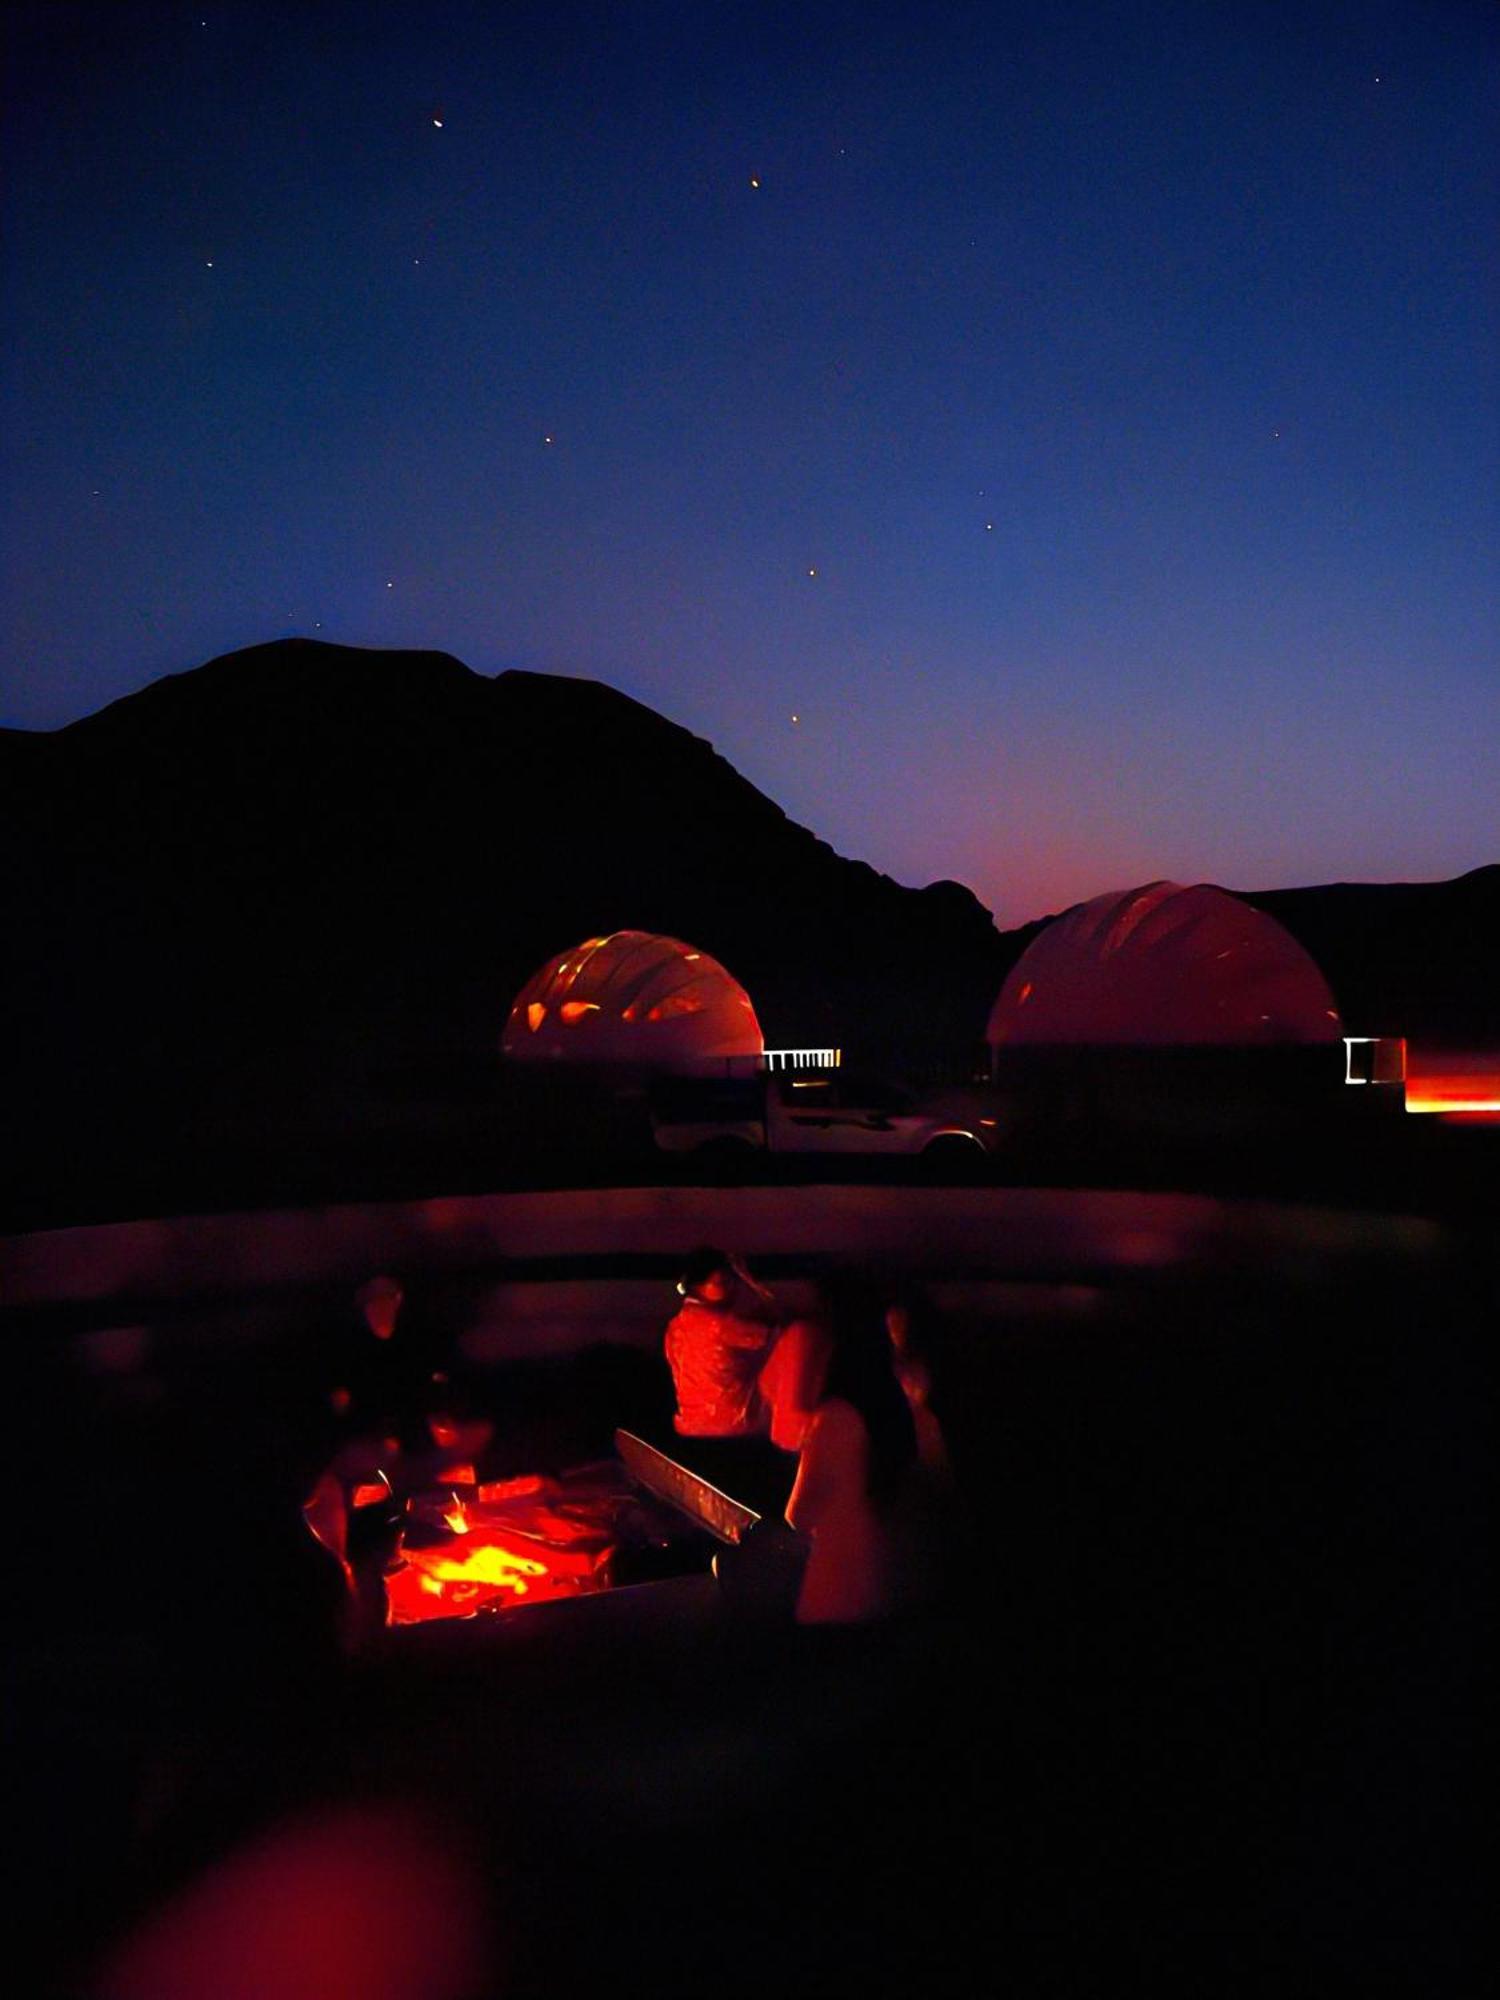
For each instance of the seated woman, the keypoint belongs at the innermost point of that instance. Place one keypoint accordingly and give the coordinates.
(852, 1476)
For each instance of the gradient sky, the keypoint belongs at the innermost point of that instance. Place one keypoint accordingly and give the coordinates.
(1125, 374)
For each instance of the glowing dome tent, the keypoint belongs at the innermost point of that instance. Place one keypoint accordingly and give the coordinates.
(1168, 966)
(632, 999)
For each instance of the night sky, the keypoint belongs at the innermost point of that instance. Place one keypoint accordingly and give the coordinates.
(1050, 446)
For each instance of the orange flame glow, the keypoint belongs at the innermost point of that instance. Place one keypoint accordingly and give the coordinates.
(488, 1563)
(476, 1563)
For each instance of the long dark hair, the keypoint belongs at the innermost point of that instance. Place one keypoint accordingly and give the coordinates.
(860, 1373)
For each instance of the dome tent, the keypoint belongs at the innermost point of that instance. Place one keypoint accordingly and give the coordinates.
(632, 999)
(1164, 965)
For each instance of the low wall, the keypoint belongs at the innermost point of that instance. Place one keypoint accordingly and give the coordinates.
(1042, 1232)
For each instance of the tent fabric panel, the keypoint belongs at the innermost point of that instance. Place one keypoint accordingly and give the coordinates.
(633, 998)
(1164, 965)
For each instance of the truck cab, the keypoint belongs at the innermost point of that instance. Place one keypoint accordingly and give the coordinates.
(822, 1111)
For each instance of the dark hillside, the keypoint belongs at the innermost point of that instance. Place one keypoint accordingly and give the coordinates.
(294, 892)
(1412, 958)
(304, 863)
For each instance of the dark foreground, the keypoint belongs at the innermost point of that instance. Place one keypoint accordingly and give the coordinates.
(1203, 1714)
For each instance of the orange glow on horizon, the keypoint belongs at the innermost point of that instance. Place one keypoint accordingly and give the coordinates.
(1453, 1084)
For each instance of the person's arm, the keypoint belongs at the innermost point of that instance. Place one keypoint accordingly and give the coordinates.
(792, 1381)
(825, 1460)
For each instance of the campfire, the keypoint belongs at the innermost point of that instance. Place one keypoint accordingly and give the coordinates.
(512, 1542)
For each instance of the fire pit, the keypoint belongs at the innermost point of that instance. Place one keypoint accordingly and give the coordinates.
(491, 1548)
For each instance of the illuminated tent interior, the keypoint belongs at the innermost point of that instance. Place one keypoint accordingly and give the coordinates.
(1164, 965)
(632, 998)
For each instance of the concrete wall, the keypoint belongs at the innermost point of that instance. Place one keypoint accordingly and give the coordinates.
(1005, 1232)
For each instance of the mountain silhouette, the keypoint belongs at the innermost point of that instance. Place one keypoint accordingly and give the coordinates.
(306, 860)
(305, 868)
(1420, 959)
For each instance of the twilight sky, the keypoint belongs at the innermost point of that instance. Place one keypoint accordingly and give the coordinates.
(1051, 446)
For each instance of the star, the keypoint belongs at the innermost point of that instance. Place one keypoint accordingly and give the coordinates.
(208, 263)
(438, 123)
(796, 718)
(812, 572)
(754, 181)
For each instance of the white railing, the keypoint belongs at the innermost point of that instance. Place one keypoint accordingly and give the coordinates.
(801, 1058)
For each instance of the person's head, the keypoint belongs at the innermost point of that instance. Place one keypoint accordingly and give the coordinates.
(708, 1276)
(380, 1303)
(910, 1320)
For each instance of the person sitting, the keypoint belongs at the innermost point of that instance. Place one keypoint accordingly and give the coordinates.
(391, 1377)
(716, 1345)
(852, 1474)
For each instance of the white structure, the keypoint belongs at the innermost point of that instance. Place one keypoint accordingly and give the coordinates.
(632, 1000)
(1167, 966)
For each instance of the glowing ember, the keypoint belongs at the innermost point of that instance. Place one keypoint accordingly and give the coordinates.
(489, 1563)
(485, 1574)
(517, 1541)
(495, 1490)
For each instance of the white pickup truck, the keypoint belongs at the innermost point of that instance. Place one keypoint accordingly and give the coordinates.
(824, 1111)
